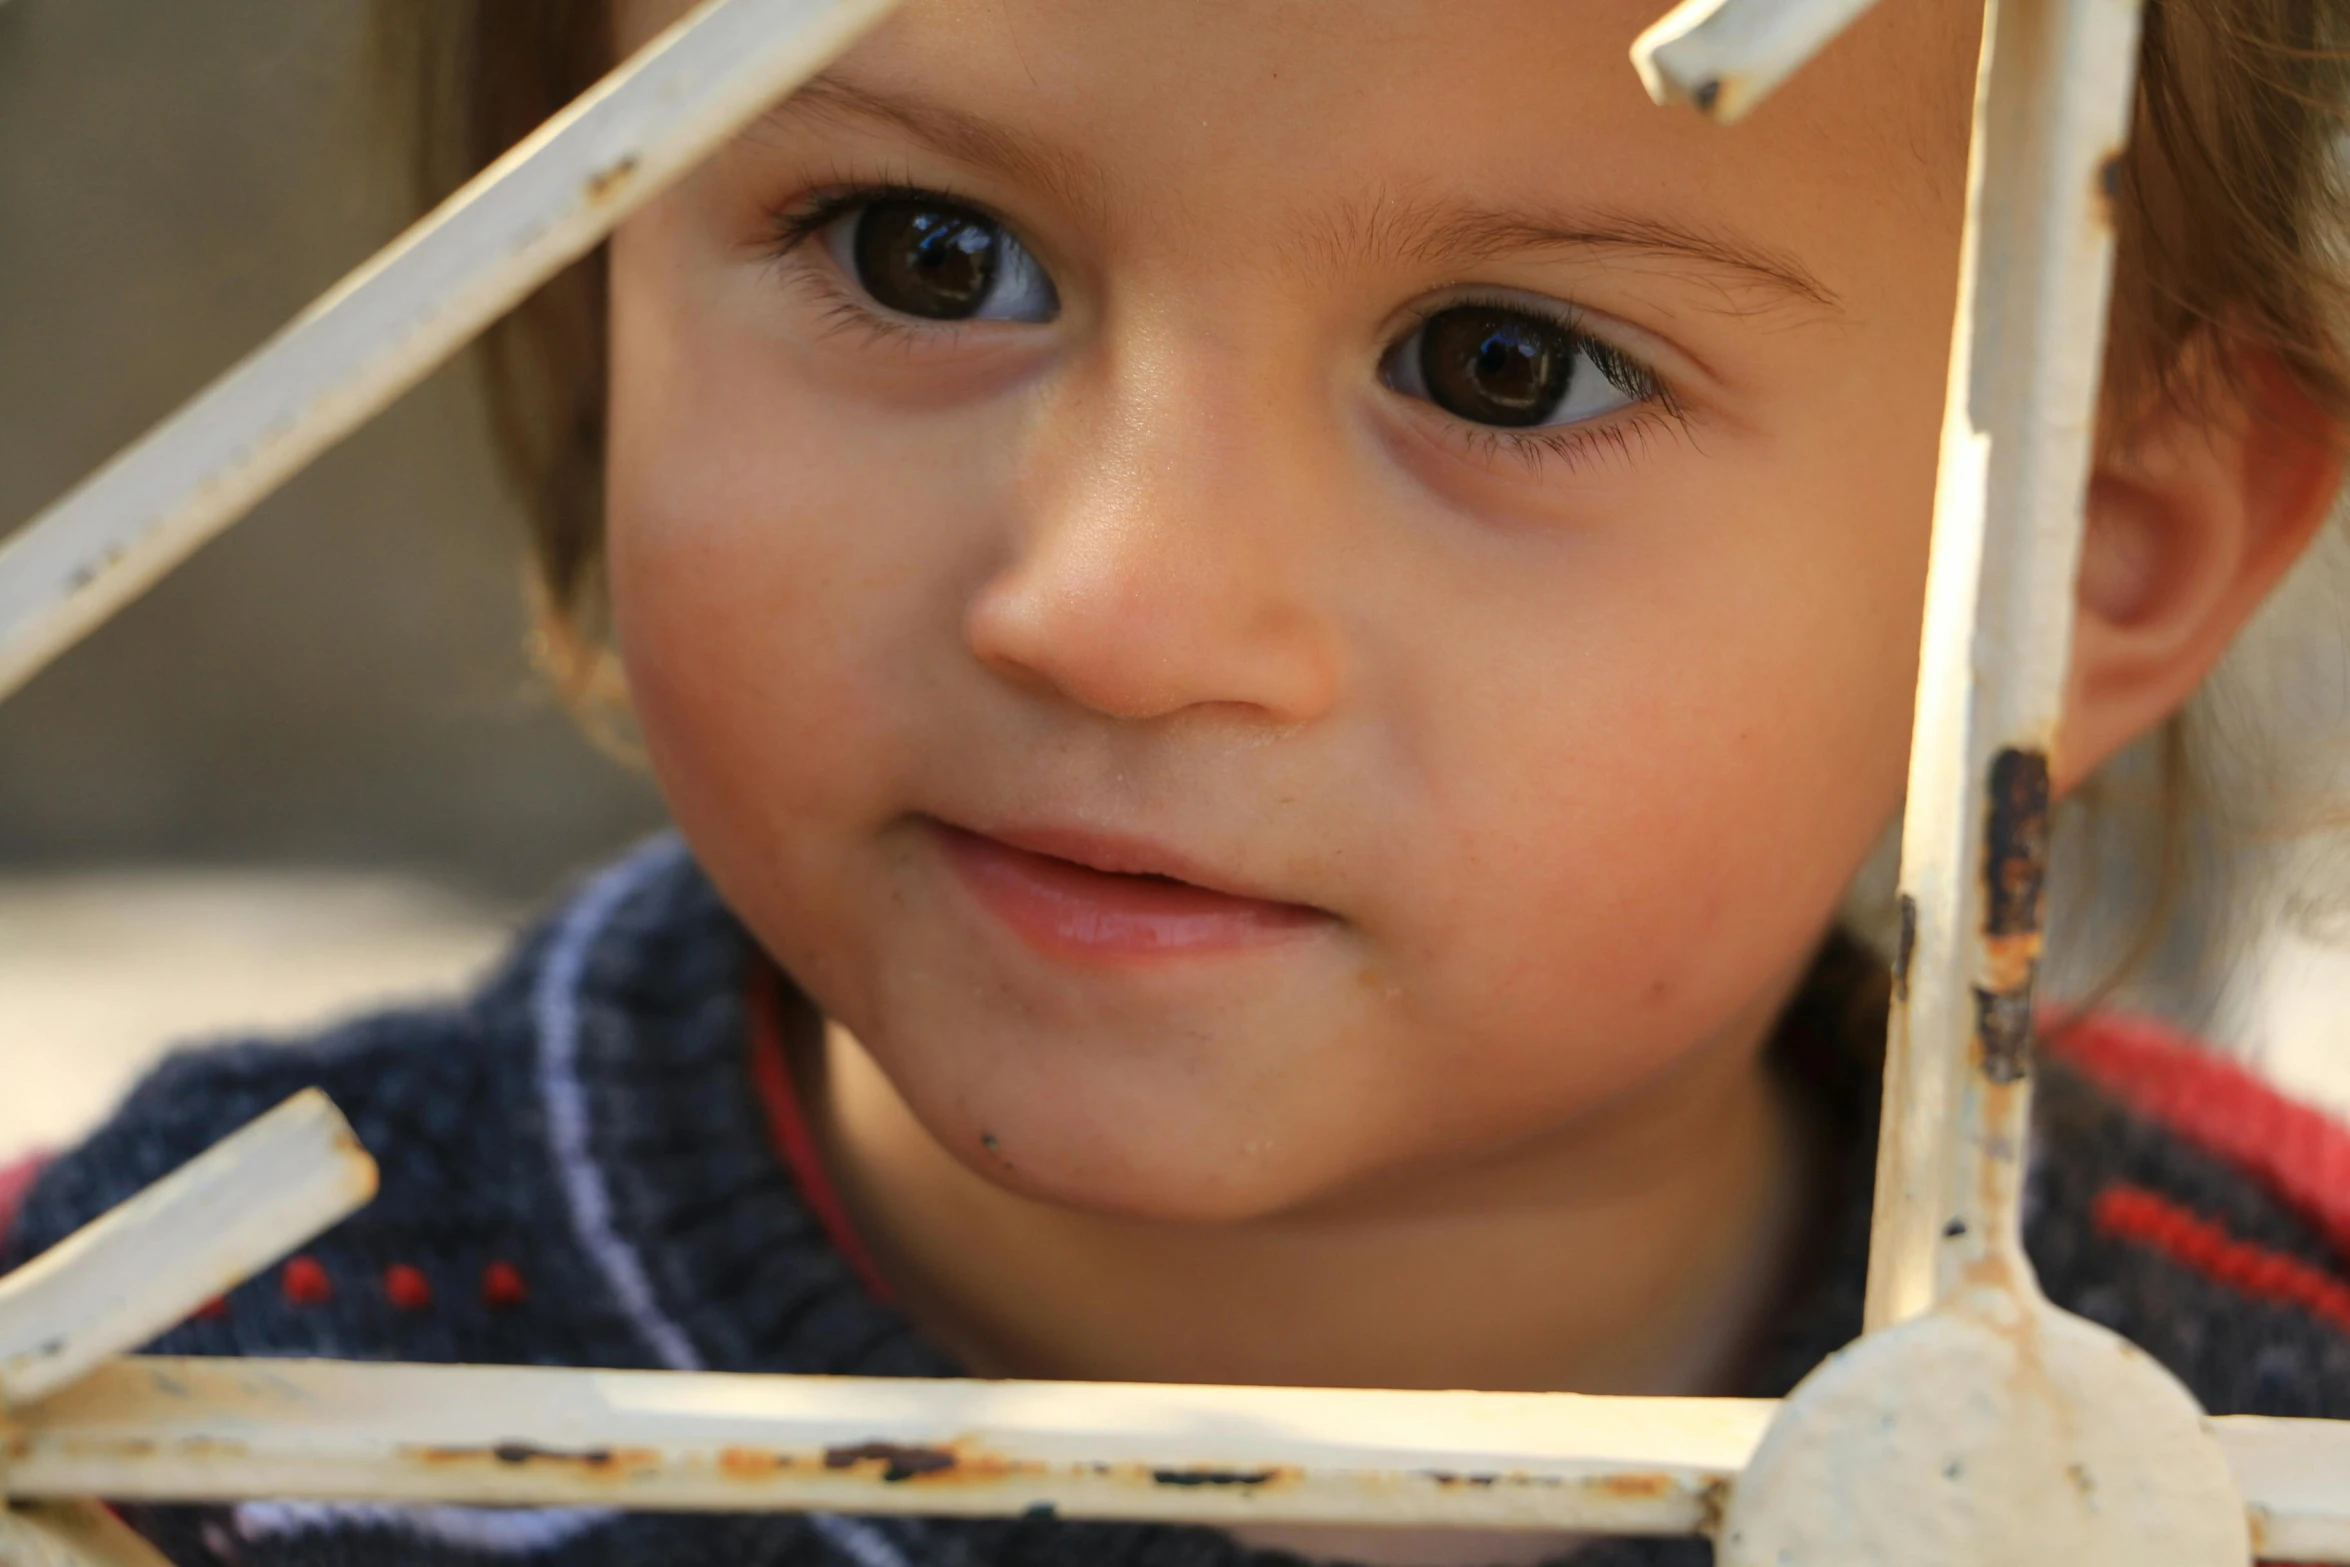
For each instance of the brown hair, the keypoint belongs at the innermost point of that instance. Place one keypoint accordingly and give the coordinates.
(2234, 174)
(469, 79)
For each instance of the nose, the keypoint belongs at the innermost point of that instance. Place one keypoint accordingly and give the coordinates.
(1169, 544)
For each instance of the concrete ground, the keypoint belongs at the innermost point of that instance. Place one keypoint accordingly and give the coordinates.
(100, 972)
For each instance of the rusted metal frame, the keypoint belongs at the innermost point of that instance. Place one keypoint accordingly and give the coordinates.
(121, 1280)
(208, 1429)
(391, 322)
(1723, 57)
(2052, 112)
(215, 1430)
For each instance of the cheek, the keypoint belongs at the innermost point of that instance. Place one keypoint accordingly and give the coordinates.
(1676, 751)
(762, 580)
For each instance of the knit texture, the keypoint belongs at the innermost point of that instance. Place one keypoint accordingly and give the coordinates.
(577, 1169)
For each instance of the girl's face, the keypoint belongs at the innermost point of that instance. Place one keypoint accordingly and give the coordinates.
(1266, 594)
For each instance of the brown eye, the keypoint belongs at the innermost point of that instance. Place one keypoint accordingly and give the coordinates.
(1495, 366)
(1492, 365)
(941, 262)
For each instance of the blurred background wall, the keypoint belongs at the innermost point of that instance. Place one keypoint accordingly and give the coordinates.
(311, 766)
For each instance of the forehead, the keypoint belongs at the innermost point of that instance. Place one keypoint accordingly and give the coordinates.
(1336, 114)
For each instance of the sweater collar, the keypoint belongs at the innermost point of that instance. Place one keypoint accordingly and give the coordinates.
(682, 1190)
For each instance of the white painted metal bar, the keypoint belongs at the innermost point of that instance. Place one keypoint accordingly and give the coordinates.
(204, 1430)
(201, 1429)
(2295, 1476)
(1725, 56)
(72, 1534)
(390, 323)
(142, 1267)
(2051, 114)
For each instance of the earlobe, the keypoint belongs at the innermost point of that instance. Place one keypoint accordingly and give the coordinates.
(2195, 511)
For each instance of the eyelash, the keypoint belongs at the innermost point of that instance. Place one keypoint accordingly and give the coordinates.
(1655, 411)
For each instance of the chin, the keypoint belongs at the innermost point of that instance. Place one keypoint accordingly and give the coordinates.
(1137, 1152)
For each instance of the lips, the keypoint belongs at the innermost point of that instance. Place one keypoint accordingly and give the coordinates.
(1103, 900)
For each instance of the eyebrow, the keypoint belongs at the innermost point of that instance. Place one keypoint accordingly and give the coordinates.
(1464, 235)
(964, 137)
(1426, 232)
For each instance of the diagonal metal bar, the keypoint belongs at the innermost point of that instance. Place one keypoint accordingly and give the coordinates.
(139, 1268)
(72, 1534)
(189, 1430)
(1725, 56)
(390, 323)
(2052, 111)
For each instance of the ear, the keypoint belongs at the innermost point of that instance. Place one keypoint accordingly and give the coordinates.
(2196, 509)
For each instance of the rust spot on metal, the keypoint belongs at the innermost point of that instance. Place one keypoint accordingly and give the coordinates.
(601, 1462)
(1635, 1487)
(2015, 879)
(2111, 169)
(751, 1463)
(606, 182)
(2003, 1028)
(1712, 1502)
(1250, 1478)
(1905, 947)
(2015, 844)
(897, 1463)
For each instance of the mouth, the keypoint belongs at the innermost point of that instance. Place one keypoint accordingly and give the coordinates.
(1103, 900)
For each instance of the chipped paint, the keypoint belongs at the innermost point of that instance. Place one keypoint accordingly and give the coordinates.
(2015, 880)
(1247, 1478)
(608, 182)
(895, 1462)
(2003, 1034)
(2015, 843)
(1905, 946)
(600, 1463)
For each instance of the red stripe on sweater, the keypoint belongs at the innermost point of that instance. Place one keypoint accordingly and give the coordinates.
(788, 1126)
(16, 1183)
(2301, 1155)
(2135, 1214)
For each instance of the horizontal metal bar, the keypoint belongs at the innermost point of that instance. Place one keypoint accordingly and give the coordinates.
(2295, 1475)
(1725, 56)
(390, 323)
(202, 1429)
(139, 1268)
(220, 1430)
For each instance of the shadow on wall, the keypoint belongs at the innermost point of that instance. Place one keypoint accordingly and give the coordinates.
(341, 678)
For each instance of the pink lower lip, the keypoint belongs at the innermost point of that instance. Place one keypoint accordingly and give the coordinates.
(1064, 909)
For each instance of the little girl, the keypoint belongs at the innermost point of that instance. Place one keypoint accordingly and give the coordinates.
(1274, 629)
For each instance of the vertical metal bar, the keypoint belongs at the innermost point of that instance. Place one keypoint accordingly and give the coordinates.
(2051, 115)
(387, 325)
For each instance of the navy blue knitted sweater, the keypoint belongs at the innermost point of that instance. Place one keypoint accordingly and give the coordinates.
(577, 1171)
